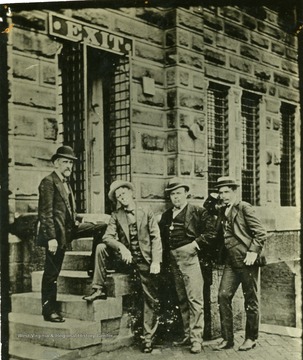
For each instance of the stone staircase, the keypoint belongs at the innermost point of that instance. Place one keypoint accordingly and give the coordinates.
(89, 328)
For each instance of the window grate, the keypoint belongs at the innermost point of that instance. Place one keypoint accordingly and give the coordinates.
(72, 69)
(217, 133)
(287, 168)
(250, 148)
(118, 152)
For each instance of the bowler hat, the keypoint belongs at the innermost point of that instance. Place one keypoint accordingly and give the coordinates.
(226, 181)
(116, 185)
(64, 152)
(176, 183)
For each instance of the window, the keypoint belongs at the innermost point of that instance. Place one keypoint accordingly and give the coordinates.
(287, 168)
(250, 148)
(217, 125)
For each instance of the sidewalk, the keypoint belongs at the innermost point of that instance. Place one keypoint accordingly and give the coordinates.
(269, 347)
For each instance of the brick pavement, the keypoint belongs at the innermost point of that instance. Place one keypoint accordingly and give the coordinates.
(269, 347)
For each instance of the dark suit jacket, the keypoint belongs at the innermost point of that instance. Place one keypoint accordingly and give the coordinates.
(148, 233)
(55, 215)
(247, 227)
(199, 224)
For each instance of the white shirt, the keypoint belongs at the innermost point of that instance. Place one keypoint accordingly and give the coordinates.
(177, 211)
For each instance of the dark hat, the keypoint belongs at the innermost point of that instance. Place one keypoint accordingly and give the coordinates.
(64, 152)
(226, 181)
(116, 185)
(176, 183)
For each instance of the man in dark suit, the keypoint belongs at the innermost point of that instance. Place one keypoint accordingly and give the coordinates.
(244, 237)
(57, 226)
(133, 238)
(187, 230)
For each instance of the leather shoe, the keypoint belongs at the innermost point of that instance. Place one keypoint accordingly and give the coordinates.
(184, 342)
(97, 294)
(247, 345)
(224, 345)
(196, 348)
(148, 348)
(53, 317)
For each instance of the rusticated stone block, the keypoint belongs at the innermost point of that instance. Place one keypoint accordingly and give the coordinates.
(198, 80)
(218, 73)
(212, 21)
(191, 101)
(270, 59)
(197, 42)
(262, 73)
(272, 106)
(184, 78)
(171, 98)
(282, 79)
(278, 48)
(186, 165)
(200, 145)
(295, 84)
(31, 19)
(198, 189)
(172, 142)
(259, 40)
(230, 13)
(50, 128)
(186, 142)
(225, 42)
(100, 17)
(139, 71)
(249, 52)
(288, 94)
(183, 38)
(33, 155)
(148, 164)
(151, 15)
(171, 119)
(152, 142)
(290, 67)
(215, 57)
(291, 54)
(34, 96)
(276, 124)
(272, 91)
(172, 166)
(269, 30)
(236, 32)
(253, 85)
(268, 122)
(240, 64)
(152, 189)
(25, 125)
(157, 100)
(190, 21)
(190, 59)
(145, 117)
(209, 37)
(25, 68)
(171, 76)
(170, 37)
(272, 176)
(200, 166)
(48, 73)
(249, 21)
(150, 53)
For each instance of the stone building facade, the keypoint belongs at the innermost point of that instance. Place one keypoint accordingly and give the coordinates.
(145, 94)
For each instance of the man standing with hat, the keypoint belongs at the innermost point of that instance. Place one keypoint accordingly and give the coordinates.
(244, 237)
(186, 230)
(132, 237)
(57, 226)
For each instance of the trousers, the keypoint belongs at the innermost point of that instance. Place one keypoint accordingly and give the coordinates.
(149, 284)
(231, 279)
(53, 265)
(189, 286)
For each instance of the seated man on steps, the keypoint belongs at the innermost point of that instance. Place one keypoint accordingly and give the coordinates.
(133, 237)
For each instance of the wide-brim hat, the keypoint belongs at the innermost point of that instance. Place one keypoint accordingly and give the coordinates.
(64, 152)
(226, 181)
(116, 185)
(176, 183)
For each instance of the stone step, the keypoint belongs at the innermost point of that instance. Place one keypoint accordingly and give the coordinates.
(71, 306)
(71, 334)
(82, 244)
(28, 351)
(76, 260)
(79, 283)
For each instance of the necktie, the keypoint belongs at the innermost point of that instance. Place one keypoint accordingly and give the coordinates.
(132, 212)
